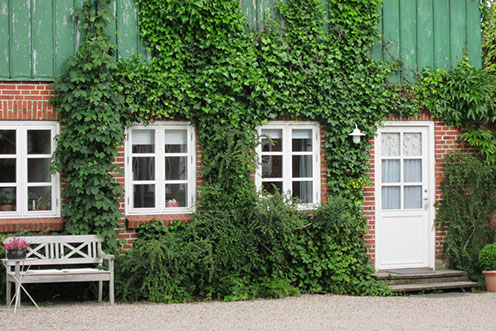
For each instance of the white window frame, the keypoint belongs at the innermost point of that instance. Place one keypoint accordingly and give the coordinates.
(287, 153)
(22, 210)
(159, 181)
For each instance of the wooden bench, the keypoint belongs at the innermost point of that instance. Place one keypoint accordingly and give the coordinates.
(76, 259)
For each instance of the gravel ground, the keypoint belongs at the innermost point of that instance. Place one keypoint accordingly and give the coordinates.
(451, 311)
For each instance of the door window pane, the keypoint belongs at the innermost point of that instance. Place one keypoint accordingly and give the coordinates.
(176, 168)
(143, 168)
(176, 141)
(391, 197)
(8, 199)
(7, 142)
(412, 171)
(303, 191)
(412, 144)
(390, 144)
(390, 171)
(413, 197)
(276, 144)
(175, 195)
(40, 198)
(39, 171)
(302, 166)
(144, 196)
(271, 166)
(7, 170)
(39, 142)
(302, 140)
(143, 141)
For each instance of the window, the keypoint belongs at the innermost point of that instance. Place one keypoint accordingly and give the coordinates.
(289, 160)
(27, 188)
(160, 169)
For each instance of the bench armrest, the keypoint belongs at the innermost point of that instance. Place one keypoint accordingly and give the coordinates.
(106, 256)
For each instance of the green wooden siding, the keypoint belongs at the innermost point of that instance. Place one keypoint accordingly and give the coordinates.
(42, 34)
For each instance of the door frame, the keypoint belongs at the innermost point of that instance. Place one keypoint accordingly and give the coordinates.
(431, 237)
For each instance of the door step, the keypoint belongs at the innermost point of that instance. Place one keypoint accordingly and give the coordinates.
(438, 280)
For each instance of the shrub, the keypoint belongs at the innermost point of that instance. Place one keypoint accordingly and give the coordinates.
(487, 257)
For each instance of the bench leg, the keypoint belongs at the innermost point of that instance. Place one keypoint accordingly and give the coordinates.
(100, 290)
(8, 292)
(111, 291)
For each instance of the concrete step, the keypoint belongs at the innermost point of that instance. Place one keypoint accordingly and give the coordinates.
(433, 286)
(384, 275)
(399, 281)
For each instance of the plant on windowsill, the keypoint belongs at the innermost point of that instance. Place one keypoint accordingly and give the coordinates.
(15, 247)
(487, 261)
(7, 198)
(40, 201)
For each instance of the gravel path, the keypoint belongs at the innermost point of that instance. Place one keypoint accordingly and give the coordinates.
(452, 311)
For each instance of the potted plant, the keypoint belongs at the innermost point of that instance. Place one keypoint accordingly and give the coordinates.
(487, 260)
(7, 198)
(15, 247)
(40, 201)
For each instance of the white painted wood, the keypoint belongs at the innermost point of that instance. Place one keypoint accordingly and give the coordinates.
(405, 238)
(60, 251)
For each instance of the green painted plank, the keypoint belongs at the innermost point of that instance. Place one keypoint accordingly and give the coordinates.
(80, 33)
(111, 28)
(377, 49)
(249, 9)
(408, 35)
(64, 34)
(391, 31)
(425, 34)
(441, 34)
(4, 41)
(474, 42)
(458, 30)
(325, 9)
(42, 55)
(20, 43)
(127, 35)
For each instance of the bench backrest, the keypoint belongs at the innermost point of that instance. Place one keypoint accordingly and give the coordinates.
(51, 250)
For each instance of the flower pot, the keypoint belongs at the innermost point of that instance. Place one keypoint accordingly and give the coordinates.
(490, 280)
(16, 254)
(6, 207)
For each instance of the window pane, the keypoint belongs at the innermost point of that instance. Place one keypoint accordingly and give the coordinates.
(412, 144)
(303, 191)
(40, 198)
(39, 171)
(302, 140)
(143, 141)
(390, 197)
(176, 195)
(413, 197)
(390, 144)
(176, 168)
(412, 171)
(143, 168)
(7, 142)
(39, 142)
(176, 141)
(144, 196)
(272, 166)
(302, 166)
(272, 187)
(390, 171)
(7, 170)
(276, 137)
(8, 199)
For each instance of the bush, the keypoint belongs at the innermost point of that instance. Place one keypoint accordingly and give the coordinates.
(487, 257)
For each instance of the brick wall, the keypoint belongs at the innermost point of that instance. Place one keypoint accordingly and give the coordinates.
(445, 141)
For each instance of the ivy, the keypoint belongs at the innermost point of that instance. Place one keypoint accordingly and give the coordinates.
(93, 120)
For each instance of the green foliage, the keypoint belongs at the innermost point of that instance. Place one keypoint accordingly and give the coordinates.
(467, 209)
(487, 257)
(92, 113)
(489, 39)
(463, 97)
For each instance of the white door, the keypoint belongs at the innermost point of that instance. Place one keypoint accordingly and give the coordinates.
(404, 178)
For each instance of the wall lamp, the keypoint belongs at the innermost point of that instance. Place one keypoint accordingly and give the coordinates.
(356, 134)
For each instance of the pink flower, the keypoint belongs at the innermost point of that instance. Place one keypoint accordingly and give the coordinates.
(15, 244)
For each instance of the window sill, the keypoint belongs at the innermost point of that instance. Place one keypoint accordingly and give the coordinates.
(134, 222)
(31, 224)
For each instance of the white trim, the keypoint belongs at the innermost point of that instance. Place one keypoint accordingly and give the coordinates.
(159, 181)
(429, 125)
(287, 153)
(21, 184)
